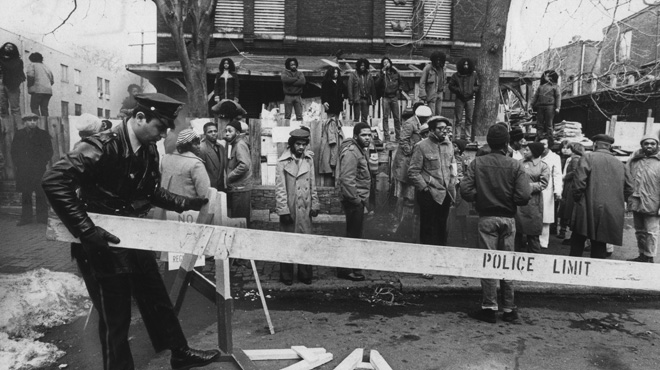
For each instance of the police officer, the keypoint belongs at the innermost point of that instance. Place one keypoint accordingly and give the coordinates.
(116, 172)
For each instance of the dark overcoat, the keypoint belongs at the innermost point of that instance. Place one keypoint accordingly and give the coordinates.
(31, 150)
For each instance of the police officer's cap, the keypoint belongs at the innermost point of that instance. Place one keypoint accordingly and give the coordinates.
(160, 105)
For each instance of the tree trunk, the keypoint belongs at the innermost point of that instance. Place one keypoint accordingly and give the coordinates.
(489, 64)
(191, 48)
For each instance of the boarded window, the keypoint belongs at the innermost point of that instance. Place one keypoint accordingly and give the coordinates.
(229, 16)
(269, 17)
(398, 18)
(437, 19)
(625, 43)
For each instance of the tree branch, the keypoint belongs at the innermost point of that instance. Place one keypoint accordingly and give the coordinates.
(75, 6)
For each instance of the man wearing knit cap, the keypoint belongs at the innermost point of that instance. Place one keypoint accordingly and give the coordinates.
(518, 143)
(644, 166)
(601, 185)
(31, 150)
(116, 172)
(239, 172)
(498, 185)
(295, 197)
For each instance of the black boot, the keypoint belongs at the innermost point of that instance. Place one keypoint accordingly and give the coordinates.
(187, 358)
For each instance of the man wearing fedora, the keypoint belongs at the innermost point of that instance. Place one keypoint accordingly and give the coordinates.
(116, 172)
(601, 186)
(31, 150)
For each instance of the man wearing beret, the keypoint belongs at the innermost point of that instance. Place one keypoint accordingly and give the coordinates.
(116, 172)
(31, 150)
(295, 197)
(601, 186)
(239, 172)
(497, 184)
(644, 167)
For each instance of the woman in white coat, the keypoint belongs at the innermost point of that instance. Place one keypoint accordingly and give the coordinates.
(554, 189)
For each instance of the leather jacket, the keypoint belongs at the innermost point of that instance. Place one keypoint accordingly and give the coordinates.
(103, 175)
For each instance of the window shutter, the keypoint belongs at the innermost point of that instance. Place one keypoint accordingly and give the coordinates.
(269, 17)
(398, 16)
(229, 16)
(437, 19)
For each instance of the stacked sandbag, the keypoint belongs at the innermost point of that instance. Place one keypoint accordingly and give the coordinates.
(568, 129)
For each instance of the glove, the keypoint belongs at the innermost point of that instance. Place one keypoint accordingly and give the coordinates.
(95, 244)
(313, 213)
(286, 219)
(195, 204)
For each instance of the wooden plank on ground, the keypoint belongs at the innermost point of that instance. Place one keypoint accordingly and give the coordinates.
(308, 365)
(373, 255)
(377, 361)
(352, 360)
(278, 354)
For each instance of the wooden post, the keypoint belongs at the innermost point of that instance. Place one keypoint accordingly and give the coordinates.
(255, 149)
(611, 125)
(648, 127)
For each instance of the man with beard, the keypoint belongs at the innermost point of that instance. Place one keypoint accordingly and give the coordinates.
(354, 183)
(432, 82)
(389, 87)
(214, 156)
(295, 197)
(116, 172)
(293, 82)
(464, 84)
(361, 90)
(433, 172)
(644, 166)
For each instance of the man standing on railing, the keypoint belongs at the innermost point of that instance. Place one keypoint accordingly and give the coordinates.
(115, 172)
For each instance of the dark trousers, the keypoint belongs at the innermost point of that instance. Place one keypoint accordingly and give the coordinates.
(26, 206)
(533, 243)
(39, 104)
(545, 116)
(239, 205)
(598, 249)
(354, 226)
(286, 269)
(112, 299)
(361, 110)
(432, 219)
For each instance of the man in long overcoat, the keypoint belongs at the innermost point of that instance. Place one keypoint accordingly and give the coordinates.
(31, 150)
(214, 156)
(601, 187)
(295, 197)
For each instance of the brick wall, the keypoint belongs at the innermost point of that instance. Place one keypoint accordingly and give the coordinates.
(338, 18)
(263, 197)
(644, 27)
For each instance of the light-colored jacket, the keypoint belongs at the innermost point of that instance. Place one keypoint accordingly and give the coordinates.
(433, 166)
(409, 137)
(431, 83)
(184, 174)
(645, 175)
(239, 166)
(555, 186)
(529, 218)
(41, 78)
(295, 190)
(354, 177)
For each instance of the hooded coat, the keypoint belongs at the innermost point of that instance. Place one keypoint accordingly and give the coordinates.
(600, 188)
(295, 190)
(645, 175)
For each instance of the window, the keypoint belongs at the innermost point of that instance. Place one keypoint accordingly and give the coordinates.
(625, 43)
(76, 80)
(398, 18)
(269, 17)
(437, 19)
(78, 109)
(107, 113)
(229, 16)
(99, 112)
(107, 89)
(99, 89)
(65, 108)
(65, 73)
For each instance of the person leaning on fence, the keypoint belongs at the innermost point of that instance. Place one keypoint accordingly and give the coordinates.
(601, 186)
(354, 183)
(31, 150)
(497, 184)
(116, 172)
(293, 82)
(644, 167)
(295, 197)
(529, 218)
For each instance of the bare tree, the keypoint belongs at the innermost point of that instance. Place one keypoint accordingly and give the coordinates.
(489, 63)
(191, 25)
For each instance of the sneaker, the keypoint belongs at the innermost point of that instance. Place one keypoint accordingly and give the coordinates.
(187, 358)
(510, 316)
(485, 315)
(642, 258)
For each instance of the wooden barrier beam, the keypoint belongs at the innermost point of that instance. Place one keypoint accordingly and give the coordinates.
(369, 254)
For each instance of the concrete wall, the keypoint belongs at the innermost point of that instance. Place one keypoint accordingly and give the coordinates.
(66, 91)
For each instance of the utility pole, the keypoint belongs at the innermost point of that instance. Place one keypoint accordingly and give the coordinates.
(141, 45)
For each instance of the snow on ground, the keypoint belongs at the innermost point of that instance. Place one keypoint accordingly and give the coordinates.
(31, 302)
